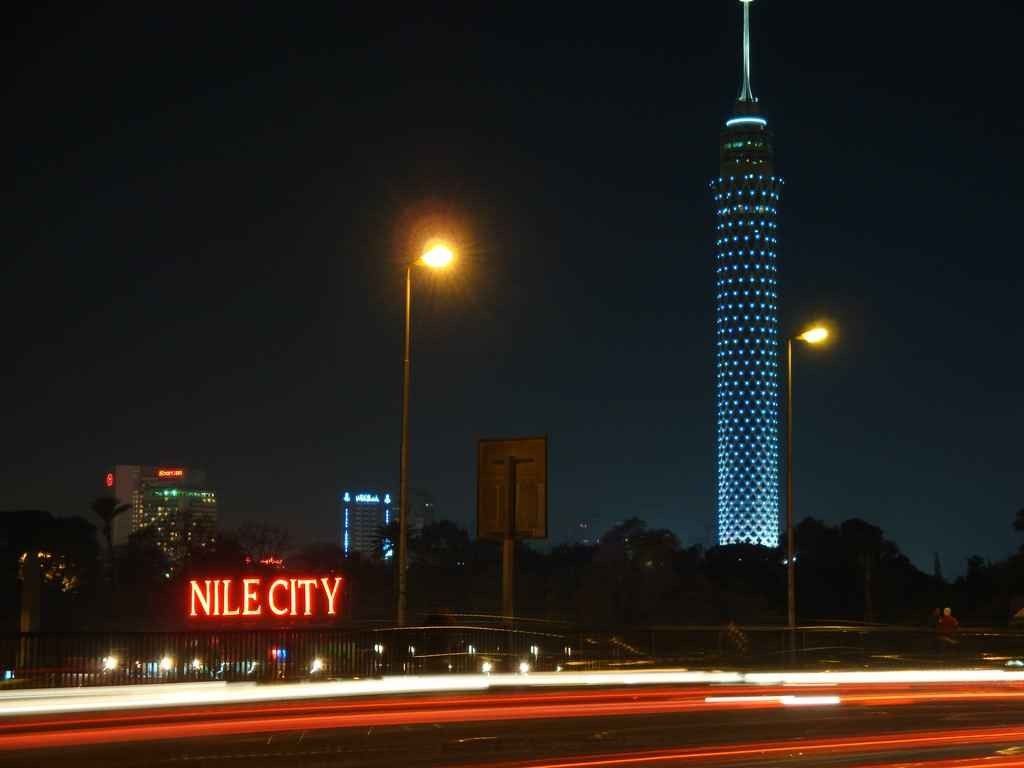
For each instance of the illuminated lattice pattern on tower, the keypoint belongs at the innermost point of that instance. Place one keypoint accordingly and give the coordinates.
(747, 356)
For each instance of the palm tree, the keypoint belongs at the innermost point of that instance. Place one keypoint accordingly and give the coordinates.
(106, 509)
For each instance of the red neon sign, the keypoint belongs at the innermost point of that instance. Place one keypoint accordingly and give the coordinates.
(170, 473)
(109, 480)
(299, 596)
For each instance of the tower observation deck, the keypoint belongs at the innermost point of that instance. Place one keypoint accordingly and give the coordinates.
(746, 195)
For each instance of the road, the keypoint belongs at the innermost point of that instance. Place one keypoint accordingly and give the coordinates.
(938, 725)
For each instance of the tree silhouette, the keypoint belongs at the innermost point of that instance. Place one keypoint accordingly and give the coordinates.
(1018, 523)
(386, 541)
(107, 510)
(262, 540)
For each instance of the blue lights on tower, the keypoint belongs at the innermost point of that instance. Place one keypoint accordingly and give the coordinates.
(747, 374)
(747, 194)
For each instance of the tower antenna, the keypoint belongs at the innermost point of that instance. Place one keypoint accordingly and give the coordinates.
(745, 93)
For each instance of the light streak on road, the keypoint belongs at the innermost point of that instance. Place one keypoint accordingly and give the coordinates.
(54, 701)
(135, 725)
(803, 748)
(786, 700)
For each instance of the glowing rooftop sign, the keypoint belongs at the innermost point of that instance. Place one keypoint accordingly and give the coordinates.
(164, 472)
(367, 498)
(746, 121)
(299, 596)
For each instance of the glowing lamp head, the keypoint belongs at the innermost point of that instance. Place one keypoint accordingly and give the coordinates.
(524, 668)
(815, 335)
(166, 664)
(316, 666)
(109, 663)
(486, 667)
(437, 255)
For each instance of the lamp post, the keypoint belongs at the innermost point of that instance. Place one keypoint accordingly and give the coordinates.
(813, 335)
(436, 255)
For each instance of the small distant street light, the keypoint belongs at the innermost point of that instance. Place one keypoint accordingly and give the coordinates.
(437, 254)
(814, 335)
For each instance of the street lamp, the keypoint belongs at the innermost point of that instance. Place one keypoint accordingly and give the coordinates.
(436, 254)
(816, 334)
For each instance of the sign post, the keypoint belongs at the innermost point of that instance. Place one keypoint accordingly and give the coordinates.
(512, 501)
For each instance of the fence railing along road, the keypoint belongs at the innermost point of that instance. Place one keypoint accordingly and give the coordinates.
(85, 659)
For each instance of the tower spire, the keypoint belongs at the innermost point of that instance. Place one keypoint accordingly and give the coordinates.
(745, 93)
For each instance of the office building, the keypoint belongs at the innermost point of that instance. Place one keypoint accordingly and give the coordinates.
(747, 379)
(363, 514)
(175, 503)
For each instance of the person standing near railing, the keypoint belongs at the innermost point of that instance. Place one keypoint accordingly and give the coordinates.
(947, 628)
(948, 625)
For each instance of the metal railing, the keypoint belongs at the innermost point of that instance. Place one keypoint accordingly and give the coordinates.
(86, 659)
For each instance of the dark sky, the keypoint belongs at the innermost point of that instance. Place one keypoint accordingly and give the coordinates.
(203, 255)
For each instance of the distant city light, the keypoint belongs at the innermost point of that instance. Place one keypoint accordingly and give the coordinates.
(316, 666)
(109, 663)
(486, 667)
(166, 664)
(524, 667)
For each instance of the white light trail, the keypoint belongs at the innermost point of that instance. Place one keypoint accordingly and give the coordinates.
(58, 700)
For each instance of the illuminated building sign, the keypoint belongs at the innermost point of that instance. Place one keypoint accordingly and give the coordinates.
(170, 473)
(109, 480)
(367, 498)
(255, 596)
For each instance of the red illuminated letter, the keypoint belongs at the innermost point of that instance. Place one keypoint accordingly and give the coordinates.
(249, 596)
(332, 594)
(295, 595)
(305, 584)
(275, 584)
(227, 599)
(203, 597)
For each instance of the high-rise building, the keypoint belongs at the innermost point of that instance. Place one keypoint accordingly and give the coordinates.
(363, 514)
(175, 503)
(747, 380)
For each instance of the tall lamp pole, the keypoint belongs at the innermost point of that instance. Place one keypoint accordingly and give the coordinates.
(814, 335)
(437, 255)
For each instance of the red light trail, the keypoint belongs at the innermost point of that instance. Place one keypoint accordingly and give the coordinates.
(105, 727)
(801, 747)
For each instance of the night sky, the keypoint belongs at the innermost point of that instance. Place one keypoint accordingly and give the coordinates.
(203, 263)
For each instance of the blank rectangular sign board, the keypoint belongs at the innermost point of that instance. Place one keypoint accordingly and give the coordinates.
(512, 479)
